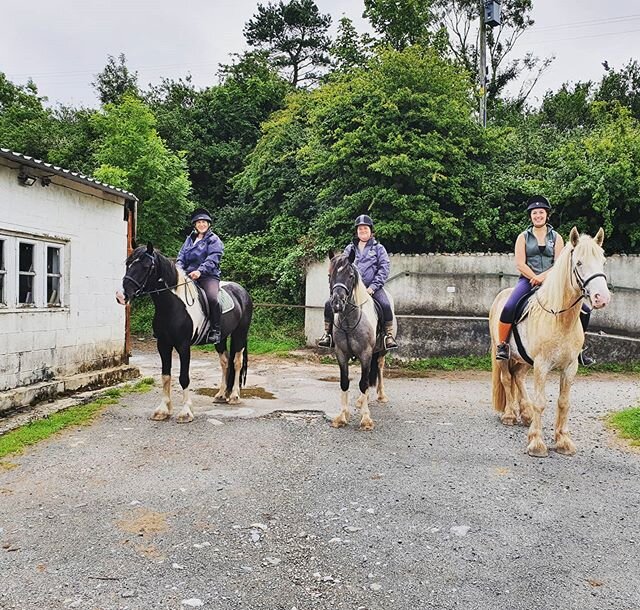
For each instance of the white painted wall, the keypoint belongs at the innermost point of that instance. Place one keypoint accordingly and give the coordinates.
(88, 331)
(466, 284)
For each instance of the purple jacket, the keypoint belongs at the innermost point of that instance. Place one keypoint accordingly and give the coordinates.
(203, 255)
(372, 263)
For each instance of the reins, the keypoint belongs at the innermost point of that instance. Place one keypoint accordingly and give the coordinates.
(351, 305)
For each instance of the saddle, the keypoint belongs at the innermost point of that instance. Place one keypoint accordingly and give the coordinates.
(521, 313)
(224, 298)
(226, 305)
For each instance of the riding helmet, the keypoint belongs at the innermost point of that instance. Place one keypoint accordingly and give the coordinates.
(538, 201)
(363, 219)
(200, 214)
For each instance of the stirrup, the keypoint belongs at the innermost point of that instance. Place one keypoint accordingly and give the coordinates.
(585, 359)
(502, 351)
(326, 341)
(390, 342)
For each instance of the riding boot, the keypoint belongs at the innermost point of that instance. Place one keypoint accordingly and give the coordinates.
(389, 340)
(214, 325)
(502, 351)
(327, 339)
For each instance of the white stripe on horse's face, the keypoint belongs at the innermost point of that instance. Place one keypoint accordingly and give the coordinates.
(340, 269)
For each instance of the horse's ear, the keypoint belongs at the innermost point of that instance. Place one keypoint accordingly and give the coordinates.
(574, 236)
(149, 248)
(330, 253)
(352, 255)
(599, 237)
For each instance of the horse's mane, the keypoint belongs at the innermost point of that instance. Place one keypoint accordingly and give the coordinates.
(360, 293)
(167, 270)
(559, 283)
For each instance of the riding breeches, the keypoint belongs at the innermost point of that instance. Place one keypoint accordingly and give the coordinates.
(211, 287)
(380, 296)
(521, 290)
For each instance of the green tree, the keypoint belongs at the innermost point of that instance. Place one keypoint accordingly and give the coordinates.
(350, 49)
(622, 86)
(26, 126)
(115, 80)
(132, 156)
(294, 34)
(402, 23)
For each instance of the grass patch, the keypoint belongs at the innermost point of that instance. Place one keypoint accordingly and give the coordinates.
(449, 363)
(611, 367)
(16, 440)
(627, 423)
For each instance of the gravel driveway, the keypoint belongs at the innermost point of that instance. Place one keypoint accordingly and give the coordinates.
(438, 507)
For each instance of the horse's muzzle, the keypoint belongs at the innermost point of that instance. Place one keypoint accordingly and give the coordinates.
(121, 298)
(338, 304)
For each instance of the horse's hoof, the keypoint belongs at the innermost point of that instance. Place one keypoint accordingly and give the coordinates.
(184, 418)
(367, 425)
(537, 450)
(219, 398)
(383, 398)
(565, 447)
(338, 422)
(160, 416)
(234, 400)
(508, 420)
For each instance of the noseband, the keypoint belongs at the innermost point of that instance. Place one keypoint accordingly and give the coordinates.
(349, 305)
(140, 285)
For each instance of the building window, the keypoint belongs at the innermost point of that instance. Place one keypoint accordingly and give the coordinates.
(53, 276)
(26, 274)
(32, 273)
(3, 274)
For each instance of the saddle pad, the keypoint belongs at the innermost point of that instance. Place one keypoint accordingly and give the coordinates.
(225, 300)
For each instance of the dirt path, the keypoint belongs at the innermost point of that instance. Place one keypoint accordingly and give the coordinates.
(264, 506)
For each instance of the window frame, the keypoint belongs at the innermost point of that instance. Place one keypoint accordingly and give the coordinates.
(12, 273)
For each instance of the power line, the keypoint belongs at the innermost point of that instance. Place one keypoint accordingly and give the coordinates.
(546, 28)
(555, 40)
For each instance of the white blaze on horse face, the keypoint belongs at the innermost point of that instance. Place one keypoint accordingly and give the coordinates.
(599, 293)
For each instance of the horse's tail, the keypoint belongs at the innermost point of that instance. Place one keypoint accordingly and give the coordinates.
(231, 368)
(497, 389)
(374, 369)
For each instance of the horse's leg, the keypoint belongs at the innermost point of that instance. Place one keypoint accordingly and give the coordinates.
(526, 406)
(509, 415)
(382, 396)
(163, 410)
(185, 415)
(536, 446)
(366, 423)
(221, 396)
(234, 398)
(343, 418)
(564, 444)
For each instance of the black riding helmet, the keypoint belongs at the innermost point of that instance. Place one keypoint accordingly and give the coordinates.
(538, 201)
(363, 219)
(200, 214)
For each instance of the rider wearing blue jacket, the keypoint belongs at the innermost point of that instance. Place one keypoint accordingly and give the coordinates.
(373, 265)
(199, 258)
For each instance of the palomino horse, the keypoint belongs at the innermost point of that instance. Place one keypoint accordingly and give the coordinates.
(355, 335)
(179, 321)
(551, 336)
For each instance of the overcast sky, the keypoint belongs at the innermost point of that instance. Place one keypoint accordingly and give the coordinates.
(62, 45)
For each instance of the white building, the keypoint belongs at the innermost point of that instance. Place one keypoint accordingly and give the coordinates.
(63, 242)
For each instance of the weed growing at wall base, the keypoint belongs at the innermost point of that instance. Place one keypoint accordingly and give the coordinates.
(16, 440)
(627, 423)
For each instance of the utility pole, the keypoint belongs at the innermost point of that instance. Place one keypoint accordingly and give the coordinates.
(482, 67)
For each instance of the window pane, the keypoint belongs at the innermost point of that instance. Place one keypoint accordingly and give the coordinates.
(26, 257)
(53, 291)
(53, 260)
(25, 290)
(2, 275)
(2, 299)
(2, 268)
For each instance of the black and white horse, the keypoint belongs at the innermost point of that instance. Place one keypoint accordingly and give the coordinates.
(180, 321)
(355, 334)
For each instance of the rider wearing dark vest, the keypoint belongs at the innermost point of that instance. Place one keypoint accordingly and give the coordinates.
(536, 250)
(373, 264)
(199, 258)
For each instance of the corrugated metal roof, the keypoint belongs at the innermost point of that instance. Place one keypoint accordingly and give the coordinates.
(66, 173)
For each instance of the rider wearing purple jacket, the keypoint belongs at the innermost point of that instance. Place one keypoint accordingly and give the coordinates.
(373, 264)
(199, 258)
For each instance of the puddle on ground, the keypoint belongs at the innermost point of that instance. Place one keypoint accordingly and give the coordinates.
(252, 392)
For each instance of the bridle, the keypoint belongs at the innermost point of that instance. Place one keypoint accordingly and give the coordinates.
(582, 285)
(140, 285)
(349, 306)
